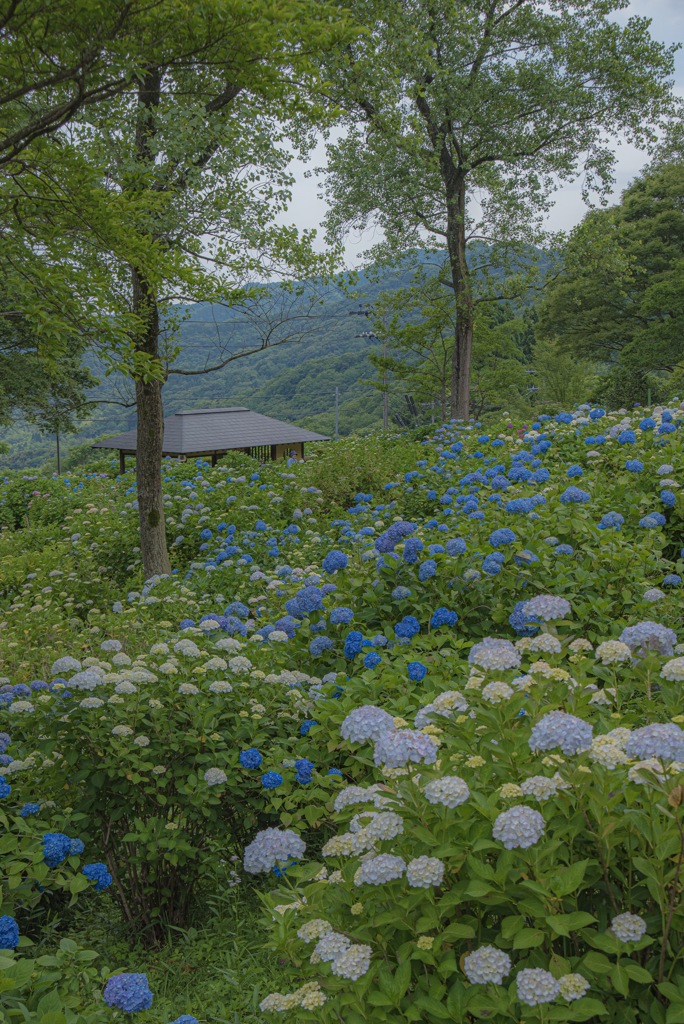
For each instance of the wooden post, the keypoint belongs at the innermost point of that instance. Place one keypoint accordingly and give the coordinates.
(274, 451)
(122, 462)
(214, 459)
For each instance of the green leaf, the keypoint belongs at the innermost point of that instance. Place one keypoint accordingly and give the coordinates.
(564, 924)
(527, 938)
(620, 979)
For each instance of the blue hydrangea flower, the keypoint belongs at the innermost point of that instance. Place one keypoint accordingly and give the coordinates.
(672, 580)
(320, 644)
(5, 742)
(306, 726)
(9, 932)
(443, 617)
(627, 437)
(492, 564)
(128, 992)
(341, 616)
(335, 560)
(407, 627)
(611, 520)
(575, 471)
(634, 465)
(501, 538)
(647, 424)
(427, 570)
(668, 498)
(304, 770)
(308, 600)
(56, 848)
(372, 660)
(334, 771)
(250, 758)
(29, 809)
(456, 546)
(523, 624)
(416, 671)
(185, 1018)
(98, 874)
(353, 644)
(5, 788)
(575, 496)
(271, 780)
(652, 521)
(563, 549)
(76, 847)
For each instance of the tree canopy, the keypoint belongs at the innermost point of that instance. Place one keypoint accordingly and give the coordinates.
(462, 118)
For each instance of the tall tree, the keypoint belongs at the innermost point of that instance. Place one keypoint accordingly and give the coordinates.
(463, 116)
(181, 176)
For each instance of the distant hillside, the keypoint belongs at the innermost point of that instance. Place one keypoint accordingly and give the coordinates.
(294, 382)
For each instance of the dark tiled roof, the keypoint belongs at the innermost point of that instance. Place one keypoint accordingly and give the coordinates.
(215, 430)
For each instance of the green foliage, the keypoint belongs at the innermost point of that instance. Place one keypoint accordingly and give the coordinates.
(619, 297)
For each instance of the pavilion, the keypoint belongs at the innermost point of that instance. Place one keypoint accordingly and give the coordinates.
(211, 433)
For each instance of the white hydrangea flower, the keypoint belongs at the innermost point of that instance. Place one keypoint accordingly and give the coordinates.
(220, 686)
(612, 652)
(486, 966)
(424, 872)
(540, 787)
(673, 670)
(573, 986)
(497, 692)
(125, 687)
(311, 931)
(189, 689)
(353, 963)
(122, 730)
(331, 945)
(449, 791)
(628, 927)
(546, 643)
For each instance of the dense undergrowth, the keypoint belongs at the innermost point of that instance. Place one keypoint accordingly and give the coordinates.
(383, 743)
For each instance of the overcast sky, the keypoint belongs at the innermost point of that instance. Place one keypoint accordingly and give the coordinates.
(667, 25)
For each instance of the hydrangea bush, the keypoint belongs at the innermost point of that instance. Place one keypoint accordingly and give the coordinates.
(430, 687)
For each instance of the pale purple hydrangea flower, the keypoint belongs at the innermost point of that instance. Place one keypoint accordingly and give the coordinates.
(559, 729)
(662, 740)
(649, 636)
(397, 748)
(519, 828)
(495, 654)
(270, 847)
(366, 723)
(378, 870)
(536, 986)
(546, 607)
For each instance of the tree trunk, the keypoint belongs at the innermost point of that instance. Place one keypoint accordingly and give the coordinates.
(148, 392)
(148, 455)
(461, 357)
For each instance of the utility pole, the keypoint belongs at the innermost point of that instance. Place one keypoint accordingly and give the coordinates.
(337, 414)
(366, 311)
